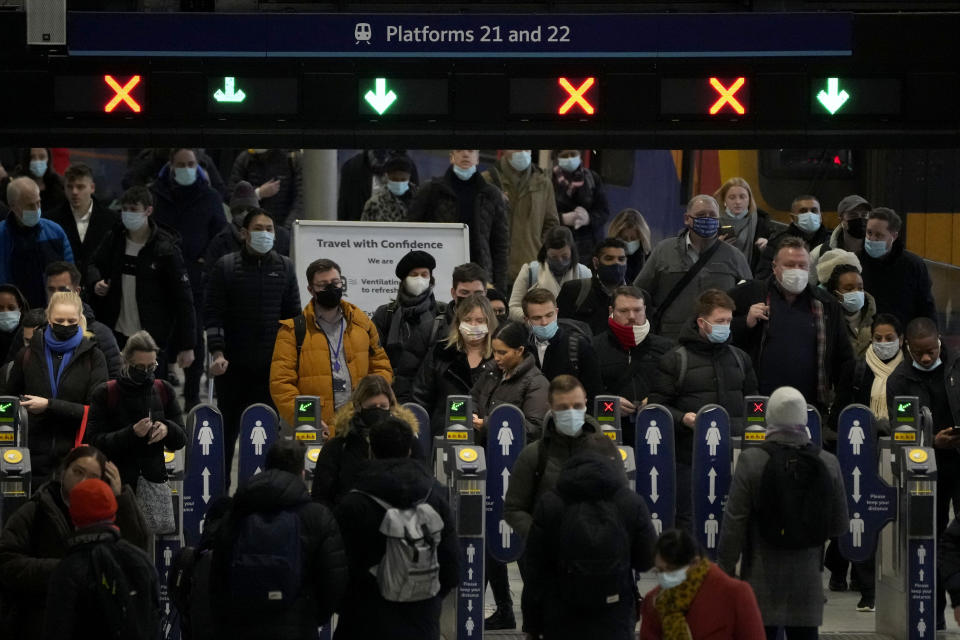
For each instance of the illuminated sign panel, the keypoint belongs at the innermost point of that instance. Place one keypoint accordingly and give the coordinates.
(563, 96)
(385, 96)
(239, 95)
(706, 96)
(121, 94)
(837, 96)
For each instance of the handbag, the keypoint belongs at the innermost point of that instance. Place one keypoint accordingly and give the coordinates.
(156, 503)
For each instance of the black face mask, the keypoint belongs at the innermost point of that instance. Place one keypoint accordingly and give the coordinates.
(373, 415)
(64, 332)
(329, 297)
(857, 228)
(140, 376)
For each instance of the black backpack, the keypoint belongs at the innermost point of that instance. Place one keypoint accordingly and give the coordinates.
(594, 556)
(125, 594)
(265, 556)
(795, 497)
(188, 584)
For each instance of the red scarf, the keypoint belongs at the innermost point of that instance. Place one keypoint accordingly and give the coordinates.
(631, 335)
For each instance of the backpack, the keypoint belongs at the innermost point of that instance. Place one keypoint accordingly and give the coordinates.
(125, 594)
(594, 556)
(795, 497)
(575, 329)
(188, 583)
(410, 569)
(265, 571)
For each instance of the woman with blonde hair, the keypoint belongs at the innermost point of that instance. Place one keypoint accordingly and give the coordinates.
(630, 226)
(55, 375)
(741, 223)
(455, 364)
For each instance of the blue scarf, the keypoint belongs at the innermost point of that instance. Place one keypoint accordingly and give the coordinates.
(50, 346)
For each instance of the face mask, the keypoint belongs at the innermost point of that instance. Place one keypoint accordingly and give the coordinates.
(705, 227)
(30, 218)
(140, 377)
(857, 228)
(629, 335)
(373, 415)
(261, 241)
(919, 366)
(875, 248)
(415, 285)
(520, 160)
(569, 164)
(718, 333)
(671, 579)
(612, 273)
(38, 167)
(852, 301)
(808, 222)
(886, 350)
(398, 188)
(185, 176)
(736, 216)
(9, 320)
(329, 297)
(558, 267)
(464, 174)
(545, 332)
(64, 332)
(632, 247)
(569, 422)
(794, 280)
(133, 220)
(473, 331)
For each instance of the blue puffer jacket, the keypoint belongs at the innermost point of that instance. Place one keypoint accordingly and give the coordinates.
(51, 245)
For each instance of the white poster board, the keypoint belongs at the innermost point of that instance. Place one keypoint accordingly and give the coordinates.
(368, 252)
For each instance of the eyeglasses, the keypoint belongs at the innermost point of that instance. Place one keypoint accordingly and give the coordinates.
(338, 283)
(145, 368)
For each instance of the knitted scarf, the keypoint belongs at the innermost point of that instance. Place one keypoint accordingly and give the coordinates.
(569, 182)
(881, 371)
(673, 604)
(822, 390)
(410, 310)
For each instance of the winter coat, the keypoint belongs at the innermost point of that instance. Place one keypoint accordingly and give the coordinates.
(383, 206)
(101, 222)
(950, 561)
(356, 185)
(364, 613)
(323, 571)
(148, 163)
(538, 275)
(53, 432)
(229, 240)
(314, 376)
(247, 296)
(445, 372)
(615, 361)
(855, 387)
(567, 342)
(595, 308)
(164, 295)
(584, 478)
(258, 168)
(723, 609)
(788, 583)
(764, 268)
(591, 196)
(531, 210)
(525, 490)
(33, 541)
(489, 234)
(344, 458)
(900, 283)
(45, 243)
(667, 265)
(526, 388)
(861, 334)
(110, 428)
(74, 608)
(421, 325)
(714, 375)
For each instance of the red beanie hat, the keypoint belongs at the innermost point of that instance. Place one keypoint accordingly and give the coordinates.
(92, 501)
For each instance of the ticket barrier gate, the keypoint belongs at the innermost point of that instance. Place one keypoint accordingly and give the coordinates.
(15, 469)
(467, 473)
(167, 547)
(458, 418)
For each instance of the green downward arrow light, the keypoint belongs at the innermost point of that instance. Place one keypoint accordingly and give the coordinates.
(381, 99)
(834, 97)
(305, 406)
(903, 407)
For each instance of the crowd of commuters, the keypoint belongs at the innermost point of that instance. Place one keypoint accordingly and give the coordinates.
(560, 302)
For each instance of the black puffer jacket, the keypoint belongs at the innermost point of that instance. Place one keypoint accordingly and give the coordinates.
(489, 234)
(324, 571)
(247, 296)
(53, 432)
(585, 478)
(364, 613)
(900, 283)
(615, 362)
(164, 296)
(566, 344)
(110, 428)
(33, 541)
(595, 308)
(418, 330)
(526, 388)
(714, 375)
(445, 372)
(229, 240)
(283, 164)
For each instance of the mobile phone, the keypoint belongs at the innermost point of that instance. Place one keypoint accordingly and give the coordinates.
(726, 230)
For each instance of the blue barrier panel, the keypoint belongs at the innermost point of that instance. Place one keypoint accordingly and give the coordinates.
(258, 429)
(711, 474)
(814, 425)
(505, 441)
(165, 550)
(204, 479)
(656, 470)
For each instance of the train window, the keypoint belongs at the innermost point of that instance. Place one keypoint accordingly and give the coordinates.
(807, 164)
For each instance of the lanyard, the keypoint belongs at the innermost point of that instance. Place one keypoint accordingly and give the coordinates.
(335, 355)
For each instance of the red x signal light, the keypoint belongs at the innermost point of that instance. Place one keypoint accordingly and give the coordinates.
(577, 96)
(727, 96)
(122, 94)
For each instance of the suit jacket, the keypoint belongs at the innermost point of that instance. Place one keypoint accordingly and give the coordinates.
(102, 220)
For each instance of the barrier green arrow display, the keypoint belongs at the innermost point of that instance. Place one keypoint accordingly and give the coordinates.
(381, 99)
(229, 93)
(833, 98)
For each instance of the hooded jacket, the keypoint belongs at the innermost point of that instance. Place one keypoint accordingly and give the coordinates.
(323, 574)
(44, 243)
(364, 614)
(444, 372)
(526, 388)
(615, 361)
(584, 478)
(229, 240)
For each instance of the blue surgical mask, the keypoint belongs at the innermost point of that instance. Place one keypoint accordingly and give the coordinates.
(705, 227)
(398, 187)
(38, 167)
(569, 422)
(520, 160)
(133, 220)
(31, 218)
(545, 332)
(464, 174)
(808, 222)
(185, 176)
(569, 164)
(632, 247)
(936, 364)
(9, 320)
(736, 216)
(875, 248)
(852, 301)
(718, 333)
(671, 579)
(261, 241)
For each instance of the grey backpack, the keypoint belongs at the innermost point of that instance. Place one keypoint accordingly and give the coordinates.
(409, 570)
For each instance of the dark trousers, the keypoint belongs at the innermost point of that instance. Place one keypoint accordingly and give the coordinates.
(497, 576)
(793, 633)
(948, 491)
(864, 573)
(238, 388)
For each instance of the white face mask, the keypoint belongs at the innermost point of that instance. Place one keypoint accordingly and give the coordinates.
(794, 280)
(671, 579)
(569, 422)
(185, 176)
(808, 222)
(632, 247)
(886, 350)
(473, 331)
(416, 285)
(520, 160)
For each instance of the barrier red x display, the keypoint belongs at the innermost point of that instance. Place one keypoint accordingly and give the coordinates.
(122, 94)
(577, 96)
(727, 96)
